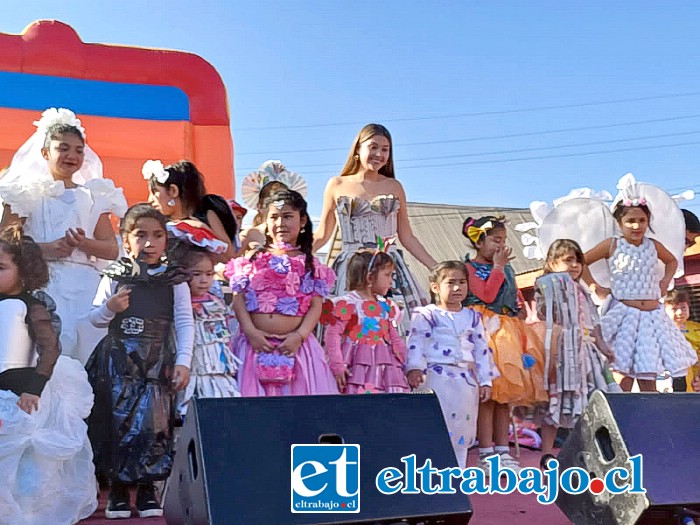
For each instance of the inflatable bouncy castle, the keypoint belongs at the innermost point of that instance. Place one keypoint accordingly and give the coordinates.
(136, 104)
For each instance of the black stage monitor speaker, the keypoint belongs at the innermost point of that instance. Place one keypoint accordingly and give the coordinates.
(665, 430)
(234, 461)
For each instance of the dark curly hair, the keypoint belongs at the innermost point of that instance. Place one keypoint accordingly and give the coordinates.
(498, 221)
(26, 255)
(56, 131)
(306, 236)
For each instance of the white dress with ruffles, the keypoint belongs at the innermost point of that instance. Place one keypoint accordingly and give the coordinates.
(645, 343)
(49, 210)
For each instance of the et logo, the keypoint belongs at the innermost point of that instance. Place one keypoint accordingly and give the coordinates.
(325, 478)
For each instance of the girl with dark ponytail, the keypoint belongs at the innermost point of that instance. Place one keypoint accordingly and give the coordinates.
(278, 298)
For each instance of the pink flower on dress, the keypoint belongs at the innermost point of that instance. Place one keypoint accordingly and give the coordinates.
(298, 264)
(267, 280)
(238, 266)
(304, 303)
(325, 274)
(267, 302)
(291, 283)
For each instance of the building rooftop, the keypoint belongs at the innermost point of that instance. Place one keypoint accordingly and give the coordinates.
(439, 229)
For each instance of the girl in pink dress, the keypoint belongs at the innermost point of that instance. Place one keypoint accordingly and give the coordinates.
(279, 292)
(366, 352)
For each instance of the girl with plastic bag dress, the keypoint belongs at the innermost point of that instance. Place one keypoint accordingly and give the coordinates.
(138, 367)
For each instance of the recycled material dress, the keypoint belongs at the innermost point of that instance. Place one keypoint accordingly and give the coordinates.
(360, 222)
(45, 457)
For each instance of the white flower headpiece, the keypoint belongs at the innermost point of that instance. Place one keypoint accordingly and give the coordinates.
(58, 116)
(271, 170)
(155, 168)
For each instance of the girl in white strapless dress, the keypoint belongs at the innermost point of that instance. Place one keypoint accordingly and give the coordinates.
(366, 202)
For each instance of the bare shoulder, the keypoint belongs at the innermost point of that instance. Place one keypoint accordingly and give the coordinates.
(336, 181)
(333, 185)
(394, 187)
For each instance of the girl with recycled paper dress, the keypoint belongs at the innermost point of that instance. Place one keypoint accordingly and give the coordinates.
(634, 248)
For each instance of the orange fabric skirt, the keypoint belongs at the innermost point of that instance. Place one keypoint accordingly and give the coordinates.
(509, 337)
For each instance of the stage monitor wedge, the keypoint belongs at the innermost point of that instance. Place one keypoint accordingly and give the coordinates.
(233, 460)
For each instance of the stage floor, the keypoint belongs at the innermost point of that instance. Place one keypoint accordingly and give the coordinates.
(513, 509)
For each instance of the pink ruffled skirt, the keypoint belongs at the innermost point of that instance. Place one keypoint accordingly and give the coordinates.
(311, 374)
(374, 368)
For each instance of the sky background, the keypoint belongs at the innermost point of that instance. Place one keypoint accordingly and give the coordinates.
(486, 101)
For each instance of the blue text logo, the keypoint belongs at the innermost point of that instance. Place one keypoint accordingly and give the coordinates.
(325, 478)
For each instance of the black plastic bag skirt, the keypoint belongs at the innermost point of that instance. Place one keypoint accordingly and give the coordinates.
(131, 424)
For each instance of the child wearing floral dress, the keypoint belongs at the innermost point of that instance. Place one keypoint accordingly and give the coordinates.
(278, 297)
(365, 349)
(447, 343)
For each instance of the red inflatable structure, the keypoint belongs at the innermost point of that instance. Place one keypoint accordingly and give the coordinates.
(135, 103)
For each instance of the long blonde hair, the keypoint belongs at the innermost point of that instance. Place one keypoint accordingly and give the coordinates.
(352, 165)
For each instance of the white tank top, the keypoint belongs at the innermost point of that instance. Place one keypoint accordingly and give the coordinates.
(15, 344)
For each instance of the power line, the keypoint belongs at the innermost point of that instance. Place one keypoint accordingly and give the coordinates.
(491, 137)
(695, 187)
(541, 157)
(521, 150)
(480, 113)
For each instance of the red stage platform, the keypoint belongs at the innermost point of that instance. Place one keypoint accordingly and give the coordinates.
(513, 509)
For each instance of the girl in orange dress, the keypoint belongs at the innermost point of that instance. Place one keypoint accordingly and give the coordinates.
(517, 351)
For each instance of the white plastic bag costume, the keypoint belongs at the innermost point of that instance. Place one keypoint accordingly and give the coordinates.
(49, 209)
(645, 343)
(584, 216)
(45, 457)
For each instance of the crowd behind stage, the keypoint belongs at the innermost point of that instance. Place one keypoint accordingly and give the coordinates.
(107, 336)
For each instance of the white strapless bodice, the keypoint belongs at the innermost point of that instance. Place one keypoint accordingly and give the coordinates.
(361, 220)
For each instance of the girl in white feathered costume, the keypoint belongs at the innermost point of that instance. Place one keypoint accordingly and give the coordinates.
(54, 187)
(45, 457)
(624, 251)
(643, 339)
